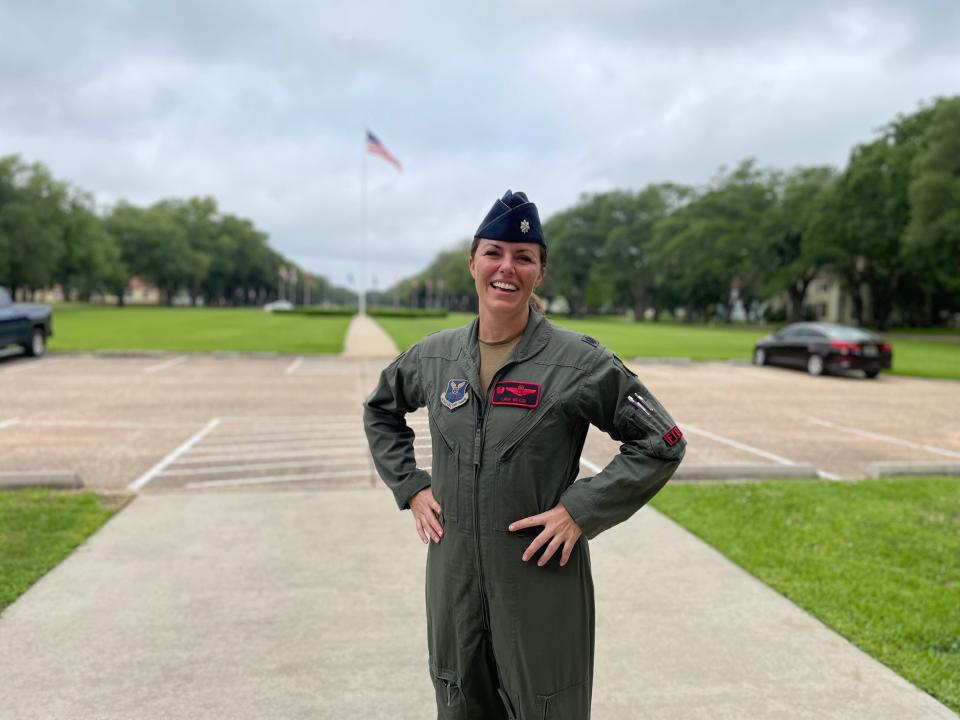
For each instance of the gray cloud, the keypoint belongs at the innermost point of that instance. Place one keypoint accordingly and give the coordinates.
(263, 105)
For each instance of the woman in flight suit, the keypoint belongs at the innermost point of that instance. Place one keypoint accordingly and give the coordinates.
(509, 594)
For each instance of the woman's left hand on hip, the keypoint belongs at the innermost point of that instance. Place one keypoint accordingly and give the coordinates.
(559, 529)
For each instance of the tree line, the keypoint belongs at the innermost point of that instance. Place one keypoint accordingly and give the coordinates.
(51, 233)
(886, 227)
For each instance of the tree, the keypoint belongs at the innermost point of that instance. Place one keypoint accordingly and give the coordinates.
(576, 238)
(90, 259)
(154, 245)
(932, 239)
(197, 218)
(626, 262)
(32, 217)
(704, 247)
(873, 205)
(796, 248)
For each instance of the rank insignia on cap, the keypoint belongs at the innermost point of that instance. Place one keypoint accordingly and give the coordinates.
(455, 395)
(516, 393)
(524, 226)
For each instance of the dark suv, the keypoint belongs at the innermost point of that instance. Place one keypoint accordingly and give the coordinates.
(24, 324)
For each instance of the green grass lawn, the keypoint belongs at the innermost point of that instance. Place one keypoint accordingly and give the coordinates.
(649, 339)
(926, 358)
(877, 560)
(406, 331)
(935, 359)
(96, 327)
(39, 528)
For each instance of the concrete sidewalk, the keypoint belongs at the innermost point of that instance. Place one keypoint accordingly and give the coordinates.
(310, 605)
(366, 339)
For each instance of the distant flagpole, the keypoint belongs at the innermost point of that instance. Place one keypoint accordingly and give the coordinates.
(362, 290)
(374, 147)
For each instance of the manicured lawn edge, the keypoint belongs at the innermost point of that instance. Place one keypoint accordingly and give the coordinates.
(94, 328)
(911, 358)
(875, 560)
(39, 528)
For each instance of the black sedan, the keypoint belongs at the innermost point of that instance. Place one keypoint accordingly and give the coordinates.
(824, 347)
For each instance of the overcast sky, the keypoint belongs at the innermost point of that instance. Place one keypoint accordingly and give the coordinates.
(264, 105)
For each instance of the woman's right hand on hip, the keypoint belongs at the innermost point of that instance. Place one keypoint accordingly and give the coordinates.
(426, 511)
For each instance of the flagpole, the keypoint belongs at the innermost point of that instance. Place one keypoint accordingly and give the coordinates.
(362, 296)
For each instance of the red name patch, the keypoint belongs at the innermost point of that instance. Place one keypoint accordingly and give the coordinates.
(673, 436)
(517, 393)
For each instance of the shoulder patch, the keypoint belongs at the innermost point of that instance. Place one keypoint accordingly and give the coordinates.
(672, 436)
(590, 341)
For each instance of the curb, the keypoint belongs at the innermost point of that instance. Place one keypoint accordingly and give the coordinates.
(695, 473)
(899, 468)
(56, 479)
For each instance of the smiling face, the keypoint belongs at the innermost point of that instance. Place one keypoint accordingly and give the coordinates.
(505, 274)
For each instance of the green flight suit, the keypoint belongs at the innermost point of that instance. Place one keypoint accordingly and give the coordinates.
(506, 638)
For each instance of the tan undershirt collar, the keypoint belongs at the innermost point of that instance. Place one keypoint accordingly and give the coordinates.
(501, 342)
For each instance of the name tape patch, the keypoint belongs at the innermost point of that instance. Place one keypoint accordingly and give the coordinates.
(516, 393)
(672, 436)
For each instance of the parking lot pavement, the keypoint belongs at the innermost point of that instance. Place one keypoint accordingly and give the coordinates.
(212, 596)
(206, 422)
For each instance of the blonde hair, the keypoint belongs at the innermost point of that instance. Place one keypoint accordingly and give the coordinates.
(536, 302)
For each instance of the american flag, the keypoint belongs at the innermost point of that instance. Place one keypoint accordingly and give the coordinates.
(376, 147)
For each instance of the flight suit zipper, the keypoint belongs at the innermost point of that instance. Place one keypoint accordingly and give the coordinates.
(479, 435)
(477, 455)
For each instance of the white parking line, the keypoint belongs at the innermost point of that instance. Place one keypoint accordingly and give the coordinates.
(739, 445)
(220, 469)
(247, 440)
(191, 459)
(592, 467)
(97, 424)
(137, 484)
(285, 478)
(230, 420)
(252, 425)
(884, 438)
(301, 430)
(341, 461)
(195, 459)
(10, 422)
(165, 364)
(292, 367)
(316, 444)
(26, 364)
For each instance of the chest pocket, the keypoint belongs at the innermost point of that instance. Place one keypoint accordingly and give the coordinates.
(444, 471)
(532, 464)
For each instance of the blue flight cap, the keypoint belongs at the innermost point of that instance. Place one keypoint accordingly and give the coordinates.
(512, 218)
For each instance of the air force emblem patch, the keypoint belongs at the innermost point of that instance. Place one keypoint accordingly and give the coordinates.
(455, 395)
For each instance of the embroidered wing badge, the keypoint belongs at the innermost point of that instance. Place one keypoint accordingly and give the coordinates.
(455, 395)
